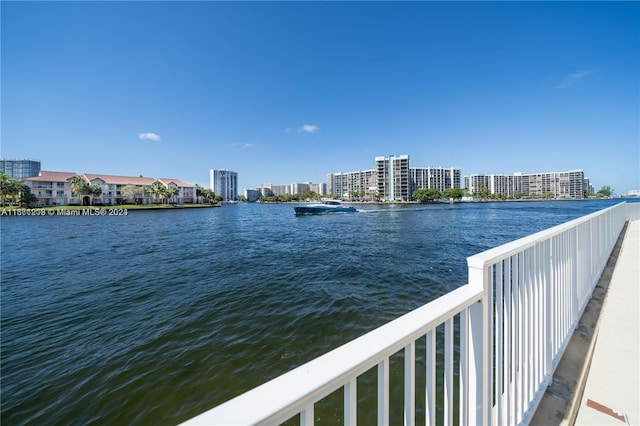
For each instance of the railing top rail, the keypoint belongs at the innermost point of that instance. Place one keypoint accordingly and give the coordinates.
(279, 399)
(496, 254)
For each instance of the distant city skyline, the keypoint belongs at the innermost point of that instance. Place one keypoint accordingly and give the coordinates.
(224, 181)
(288, 92)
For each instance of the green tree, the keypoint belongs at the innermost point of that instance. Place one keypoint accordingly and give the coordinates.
(172, 191)
(605, 192)
(310, 195)
(132, 191)
(484, 193)
(9, 189)
(158, 191)
(80, 188)
(26, 197)
(94, 191)
(200, 193)
(455, 193)
(426, 194)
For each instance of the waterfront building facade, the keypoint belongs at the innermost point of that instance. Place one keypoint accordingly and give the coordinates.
(588, 188)
(186, 191)
(54, 189)
(19, 169)
(224, 183)
(440, 178)
(392, 174)
(51, 188)
(112, 185)
(296, 188)
(345, 184)
(391, 179)
(281, 189)
(569, 184)
(560, 185)
(252, 195)
(476, 183)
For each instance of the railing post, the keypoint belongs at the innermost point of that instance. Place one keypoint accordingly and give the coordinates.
(480, 338)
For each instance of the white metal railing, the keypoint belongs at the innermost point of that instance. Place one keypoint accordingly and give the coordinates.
(515, 318)
(540, 285)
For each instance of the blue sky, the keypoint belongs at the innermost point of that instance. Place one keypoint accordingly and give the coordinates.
(286, 92)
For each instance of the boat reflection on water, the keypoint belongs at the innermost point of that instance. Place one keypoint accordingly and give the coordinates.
(324, 206)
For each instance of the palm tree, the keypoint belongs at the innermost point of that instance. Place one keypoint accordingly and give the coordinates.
(80, 187)
(172, 191)
(208, 194)
(95, 191)
(158, 190)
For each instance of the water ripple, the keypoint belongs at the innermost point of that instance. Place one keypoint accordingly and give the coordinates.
(157, 316)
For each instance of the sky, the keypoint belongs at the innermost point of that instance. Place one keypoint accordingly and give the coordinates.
(284, 92)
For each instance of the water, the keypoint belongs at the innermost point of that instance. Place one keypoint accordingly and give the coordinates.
(155, 317)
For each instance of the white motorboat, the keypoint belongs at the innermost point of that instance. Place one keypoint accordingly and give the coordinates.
(325, 206)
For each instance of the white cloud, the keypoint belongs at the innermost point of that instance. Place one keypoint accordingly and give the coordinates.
(308, 128)
(244, 145)
(150, 136)
(571, 79)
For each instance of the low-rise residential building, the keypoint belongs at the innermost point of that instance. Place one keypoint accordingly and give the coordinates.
(112, 185)
(186, 191)
(52, 188)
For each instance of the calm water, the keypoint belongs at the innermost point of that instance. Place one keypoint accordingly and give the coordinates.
(155, 317)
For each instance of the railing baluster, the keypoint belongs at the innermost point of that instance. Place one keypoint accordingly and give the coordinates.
(410, 384)
(548, 312)
(464, 368)
(306, 416)
(383, 392)
(508, 347)
(499, 348)
(430, 382)
(351, 402)
(529, 325)
(517, 340)
(448, 372)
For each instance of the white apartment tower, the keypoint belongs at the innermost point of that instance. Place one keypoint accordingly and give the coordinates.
(224, 183)
(392, 174)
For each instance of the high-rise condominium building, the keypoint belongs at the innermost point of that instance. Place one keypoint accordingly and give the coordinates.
(362, 182)
(439, 178)
(392, 174)
(19, 169)
(224, 183)
(392, 179)
(569, 184)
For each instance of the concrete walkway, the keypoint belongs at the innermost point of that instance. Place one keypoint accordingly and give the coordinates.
(612, 391)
